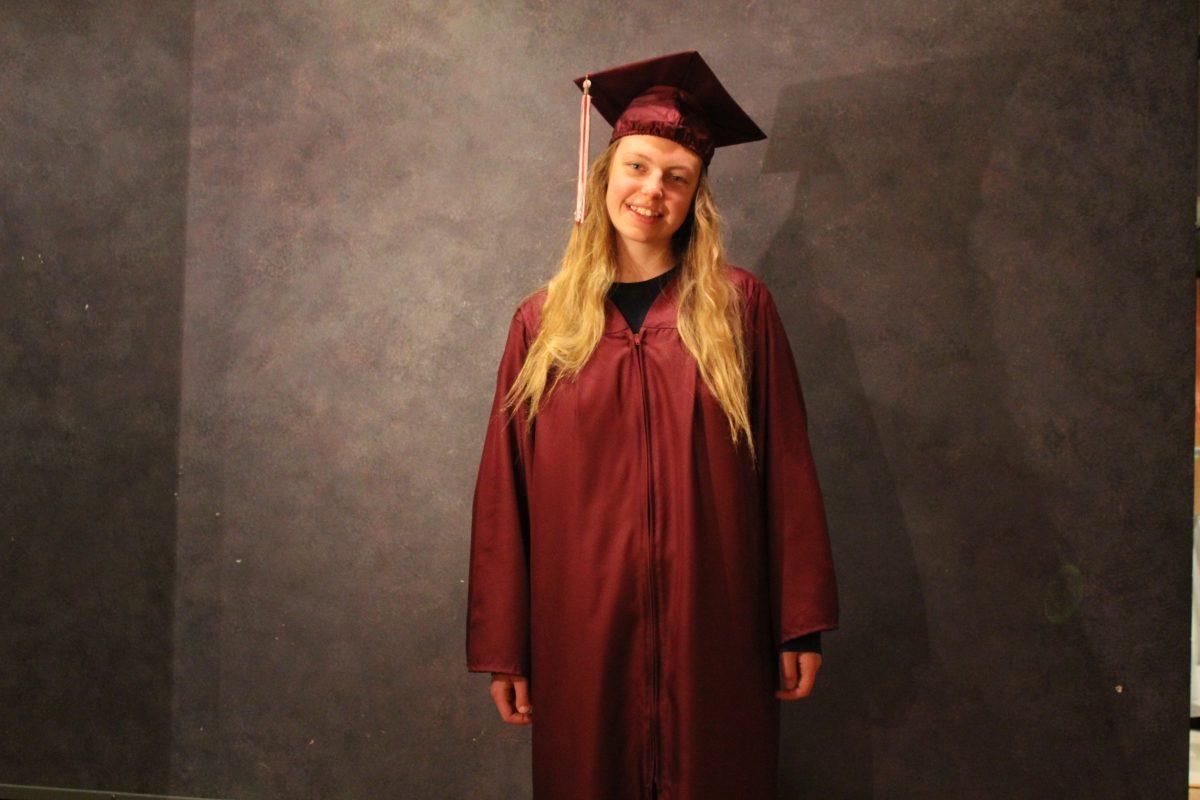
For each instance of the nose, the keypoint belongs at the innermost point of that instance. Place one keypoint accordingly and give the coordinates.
(653, 185)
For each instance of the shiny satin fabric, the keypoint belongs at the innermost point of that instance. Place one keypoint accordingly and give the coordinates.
(631, 563)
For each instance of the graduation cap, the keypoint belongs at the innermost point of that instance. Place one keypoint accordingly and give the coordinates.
(674, 96)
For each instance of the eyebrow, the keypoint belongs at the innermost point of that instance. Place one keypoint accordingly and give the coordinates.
(683, 167)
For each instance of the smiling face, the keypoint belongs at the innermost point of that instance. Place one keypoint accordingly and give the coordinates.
(651, 184)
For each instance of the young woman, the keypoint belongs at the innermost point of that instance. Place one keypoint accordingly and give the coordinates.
(650, 565)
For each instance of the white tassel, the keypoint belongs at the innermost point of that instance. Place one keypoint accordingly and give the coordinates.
(585, 125)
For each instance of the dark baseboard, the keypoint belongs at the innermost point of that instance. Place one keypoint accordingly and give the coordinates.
(9, 792)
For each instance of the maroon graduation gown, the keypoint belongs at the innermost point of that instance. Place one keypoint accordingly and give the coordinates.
(628, 560)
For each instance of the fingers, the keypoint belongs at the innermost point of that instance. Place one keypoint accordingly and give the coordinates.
(799, 672)
(789, 671)
(503, 689)
(524, 702)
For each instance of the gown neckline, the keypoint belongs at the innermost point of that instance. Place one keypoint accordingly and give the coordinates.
(661, 314)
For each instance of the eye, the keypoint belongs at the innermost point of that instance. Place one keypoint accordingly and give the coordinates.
(634, 164)
(680, 179)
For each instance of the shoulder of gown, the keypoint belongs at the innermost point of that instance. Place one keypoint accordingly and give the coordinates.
(529, 310)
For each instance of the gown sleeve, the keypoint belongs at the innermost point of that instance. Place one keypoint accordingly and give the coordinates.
(498, 575)
(803, 586)
(808, 643)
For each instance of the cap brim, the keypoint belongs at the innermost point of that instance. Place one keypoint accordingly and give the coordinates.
(613, 89)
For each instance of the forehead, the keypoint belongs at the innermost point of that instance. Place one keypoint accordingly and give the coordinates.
(666, 152)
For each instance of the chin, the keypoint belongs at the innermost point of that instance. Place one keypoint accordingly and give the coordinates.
(643, 236)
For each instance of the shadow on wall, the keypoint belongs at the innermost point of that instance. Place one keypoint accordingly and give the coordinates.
(92, 225)
(934, 500)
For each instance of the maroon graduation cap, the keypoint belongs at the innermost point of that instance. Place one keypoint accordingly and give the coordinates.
(674, 96)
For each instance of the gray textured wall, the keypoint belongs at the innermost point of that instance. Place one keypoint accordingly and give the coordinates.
(93, 172)
(977, 219)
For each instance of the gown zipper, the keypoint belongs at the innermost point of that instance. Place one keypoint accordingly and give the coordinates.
(654, 680)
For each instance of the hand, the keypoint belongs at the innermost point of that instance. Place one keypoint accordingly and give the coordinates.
(798, 671)
(503, 688)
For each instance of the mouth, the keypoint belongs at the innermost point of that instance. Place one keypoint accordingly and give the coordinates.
(644, 215)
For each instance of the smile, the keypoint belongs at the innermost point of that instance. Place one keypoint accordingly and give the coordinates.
(643, 212)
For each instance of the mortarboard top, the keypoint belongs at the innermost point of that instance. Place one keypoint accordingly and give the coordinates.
(674, 96)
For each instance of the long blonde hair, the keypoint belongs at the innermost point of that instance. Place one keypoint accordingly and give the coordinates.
(573, 315)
